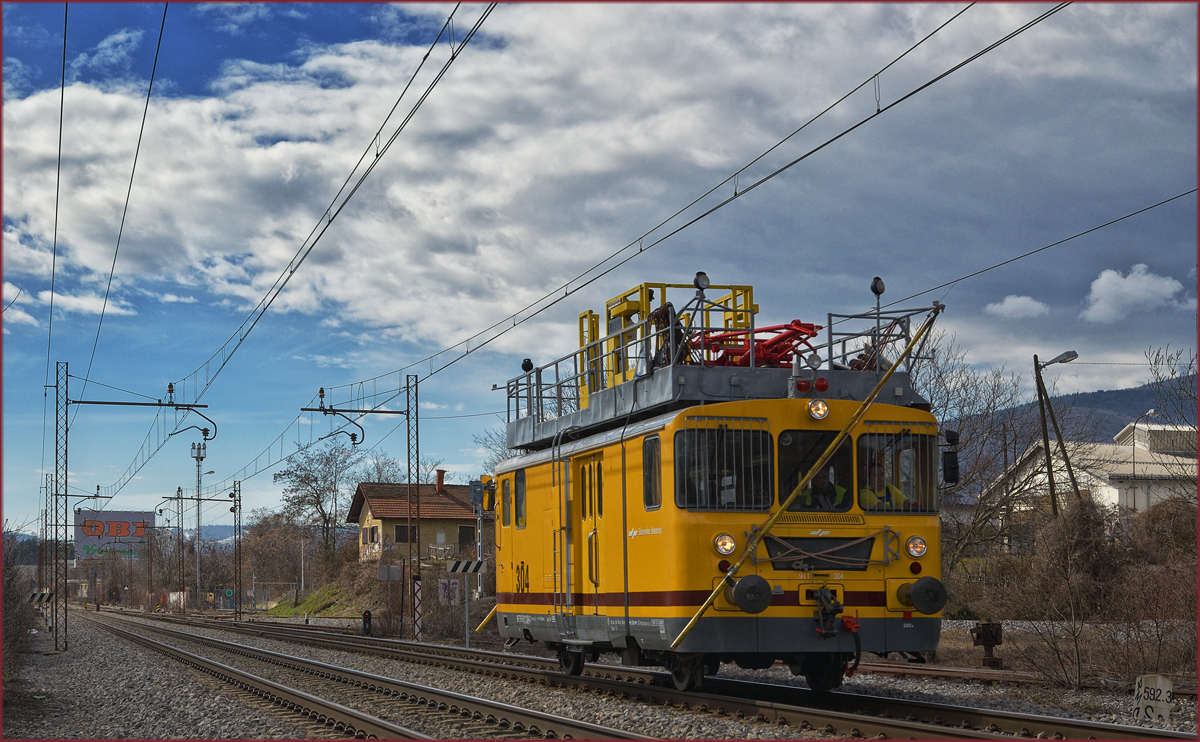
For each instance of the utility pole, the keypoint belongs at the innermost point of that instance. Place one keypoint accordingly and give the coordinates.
(180, 578)
(1044, 407)
(198, 453)
(236, 509)
(414, 503)
(357, 438)
(60, 516)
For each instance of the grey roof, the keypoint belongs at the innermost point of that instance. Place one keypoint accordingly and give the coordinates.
(1134, 462)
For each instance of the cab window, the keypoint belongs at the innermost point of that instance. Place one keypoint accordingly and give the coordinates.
(831, 488)
(897, 468)
(724, 464)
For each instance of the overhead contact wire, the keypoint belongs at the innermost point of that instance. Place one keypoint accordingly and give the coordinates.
(306, 248)
(553, 296)
(125, 211)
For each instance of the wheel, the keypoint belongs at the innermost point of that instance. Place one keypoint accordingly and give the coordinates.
(570, 662)
(688, 674)
(712, 665)
(824, 672)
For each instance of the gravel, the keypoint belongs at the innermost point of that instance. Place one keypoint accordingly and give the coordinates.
(104, 688)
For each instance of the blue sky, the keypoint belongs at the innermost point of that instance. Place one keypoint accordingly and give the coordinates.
(559, 134)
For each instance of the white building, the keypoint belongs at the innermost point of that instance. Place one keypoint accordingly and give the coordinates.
(1146, 464)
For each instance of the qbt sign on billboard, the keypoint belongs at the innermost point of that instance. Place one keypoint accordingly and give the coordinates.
(119, 532)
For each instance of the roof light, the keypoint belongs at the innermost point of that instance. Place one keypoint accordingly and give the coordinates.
(822, 385)
(803, 385)
(818, 408)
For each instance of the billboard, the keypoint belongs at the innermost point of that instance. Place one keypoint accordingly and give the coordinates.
(122, 532)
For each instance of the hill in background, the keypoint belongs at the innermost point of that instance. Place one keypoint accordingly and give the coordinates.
(1113, 409)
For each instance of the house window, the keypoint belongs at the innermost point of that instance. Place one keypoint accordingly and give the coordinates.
(520, 499)
(366, 535)
(374, 534)
(466, 535)
(401, 535)
(652, 473)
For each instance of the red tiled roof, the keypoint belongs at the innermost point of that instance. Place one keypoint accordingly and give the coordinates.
(391, 501)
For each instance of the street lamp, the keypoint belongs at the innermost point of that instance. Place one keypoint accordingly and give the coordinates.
(1043, 407)
(1133, 460)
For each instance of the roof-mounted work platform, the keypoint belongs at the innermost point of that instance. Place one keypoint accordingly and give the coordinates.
(653, 358)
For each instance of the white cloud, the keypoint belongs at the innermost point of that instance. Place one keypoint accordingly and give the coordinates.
(173, 299)
(236, 16)
(558, 135)
(324, 361)
(1114, 297)
(17, 78)
(84, 303)
(14, 315)
(112, 55)
(1017, 307)
(23, 257)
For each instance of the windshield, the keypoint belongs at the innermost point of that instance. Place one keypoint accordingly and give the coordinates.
(831, 488)
(897, 467)
(723, 463)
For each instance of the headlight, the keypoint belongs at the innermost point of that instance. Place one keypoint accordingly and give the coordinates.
(916, 546)
(818, 408)
(724, 544)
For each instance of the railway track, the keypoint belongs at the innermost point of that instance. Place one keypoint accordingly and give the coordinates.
(339, 718)
(983, 675)
(464, 716)
(834, 713)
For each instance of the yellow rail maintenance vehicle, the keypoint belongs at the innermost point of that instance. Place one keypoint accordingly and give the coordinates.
(679, 498)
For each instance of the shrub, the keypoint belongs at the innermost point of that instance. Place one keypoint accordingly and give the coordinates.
(19, 617)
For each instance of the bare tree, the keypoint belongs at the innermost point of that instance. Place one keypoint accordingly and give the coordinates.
(427, 470)
(317, 489)
(272, 547)
(18, 614)
(495, 442)
(997, 428)
(1173, 382)
(382, 468)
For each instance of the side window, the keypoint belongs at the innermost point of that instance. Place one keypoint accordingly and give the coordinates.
(520, 499)
(506, 503)
(599, 489)
(584, 490)
(652, 473)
